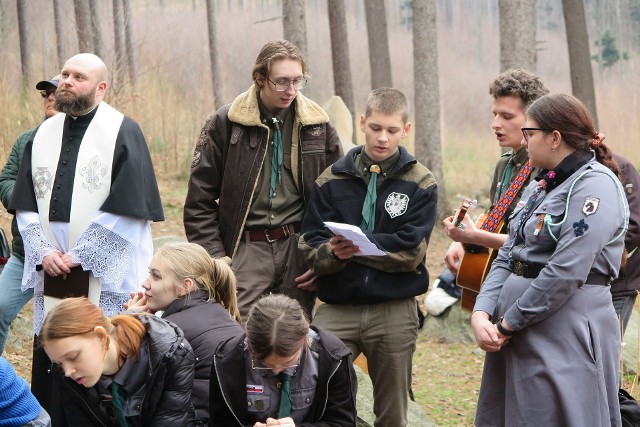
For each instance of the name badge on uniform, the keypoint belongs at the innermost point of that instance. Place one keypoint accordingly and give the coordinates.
(253, 388)
(590, 205)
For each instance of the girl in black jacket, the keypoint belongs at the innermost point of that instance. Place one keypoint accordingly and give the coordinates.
(283, 372)
(131, 370)
(198, 294)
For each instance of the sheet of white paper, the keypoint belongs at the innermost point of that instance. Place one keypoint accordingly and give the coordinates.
(355, 234)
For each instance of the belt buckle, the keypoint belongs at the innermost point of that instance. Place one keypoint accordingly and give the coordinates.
(285, 230)
(266, 235)
(518, 268)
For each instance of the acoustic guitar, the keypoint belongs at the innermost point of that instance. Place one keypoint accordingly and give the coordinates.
(475, 263)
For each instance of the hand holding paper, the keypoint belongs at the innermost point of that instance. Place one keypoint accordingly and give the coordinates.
(355, 234)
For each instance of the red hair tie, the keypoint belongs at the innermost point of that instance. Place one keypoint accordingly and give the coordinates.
(597, 140)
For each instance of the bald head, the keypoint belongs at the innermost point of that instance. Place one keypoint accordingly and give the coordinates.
(91, 62)
(82, 84)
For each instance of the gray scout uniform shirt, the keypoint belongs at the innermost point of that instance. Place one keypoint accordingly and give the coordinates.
(567, 235)
(263, 386)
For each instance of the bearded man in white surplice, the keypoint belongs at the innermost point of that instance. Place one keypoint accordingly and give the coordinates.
(84, 199)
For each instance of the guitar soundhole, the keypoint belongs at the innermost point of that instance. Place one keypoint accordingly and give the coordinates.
(474, 249)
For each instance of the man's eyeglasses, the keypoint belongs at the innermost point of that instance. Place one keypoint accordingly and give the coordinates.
(47, 92)
(283, 84)
(525, 132)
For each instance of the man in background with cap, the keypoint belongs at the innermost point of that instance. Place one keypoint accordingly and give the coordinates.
(12, 298)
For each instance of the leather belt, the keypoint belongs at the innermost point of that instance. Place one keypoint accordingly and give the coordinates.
(272, 234)
(531, 271)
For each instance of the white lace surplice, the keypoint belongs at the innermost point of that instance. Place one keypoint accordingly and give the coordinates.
(116, 249)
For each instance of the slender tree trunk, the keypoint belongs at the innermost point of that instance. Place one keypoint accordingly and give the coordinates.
(128, 36)
(517, 34)
(83, 26)
(98, 44)
(119, 59)
(294, 24)
(579, 55)
(216, 78)
(25, 45)
(379, 55)
(428, 143)
(59, 25)
(342, 81)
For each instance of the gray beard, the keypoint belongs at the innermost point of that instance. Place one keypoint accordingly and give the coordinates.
(74, 105)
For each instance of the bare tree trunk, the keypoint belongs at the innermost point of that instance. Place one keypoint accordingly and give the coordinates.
(342, 81)
(83, 26)
(428, 144)
(128, 33)
(379, 56)
(579, 55)
(98, 44)
(119, 59)
(216, 78)
(517, 34)
(25, 45)
(294, 24)
(59, 24)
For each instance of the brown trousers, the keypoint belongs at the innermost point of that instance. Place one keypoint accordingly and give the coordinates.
(262, 268)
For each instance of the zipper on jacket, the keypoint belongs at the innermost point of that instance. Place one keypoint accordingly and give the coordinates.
(326, 400)
(246, 214)
(224, 395)
(304, 201)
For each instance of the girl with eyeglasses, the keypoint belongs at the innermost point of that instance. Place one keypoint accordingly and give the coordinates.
(544, 314)
(282, 372)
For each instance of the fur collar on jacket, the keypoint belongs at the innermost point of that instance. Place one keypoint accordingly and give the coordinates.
(245, 111)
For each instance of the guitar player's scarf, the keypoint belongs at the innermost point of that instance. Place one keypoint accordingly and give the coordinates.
(500, 209)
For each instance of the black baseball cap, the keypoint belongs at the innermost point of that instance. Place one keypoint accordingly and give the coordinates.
(42, 85)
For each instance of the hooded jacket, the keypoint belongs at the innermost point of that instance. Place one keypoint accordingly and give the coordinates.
(227, 161)
(334, 402)
(164, 398)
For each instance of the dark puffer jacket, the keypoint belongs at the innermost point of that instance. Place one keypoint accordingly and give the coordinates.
(164, 398)
(206, 324)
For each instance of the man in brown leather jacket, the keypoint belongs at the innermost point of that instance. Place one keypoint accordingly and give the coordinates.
(252, 174)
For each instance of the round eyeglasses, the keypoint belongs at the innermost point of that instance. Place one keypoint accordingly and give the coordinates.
(281, 85)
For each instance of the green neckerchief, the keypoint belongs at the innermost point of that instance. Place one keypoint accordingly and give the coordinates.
(373, 170)
(117, 401)
(274, 122)
(285, 395)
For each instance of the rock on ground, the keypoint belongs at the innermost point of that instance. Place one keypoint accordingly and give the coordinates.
(364, 405)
